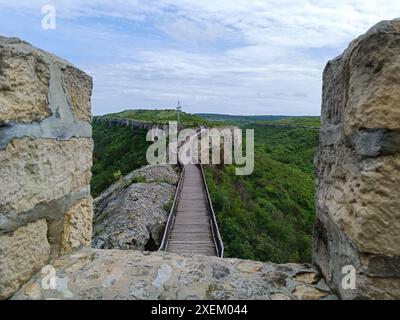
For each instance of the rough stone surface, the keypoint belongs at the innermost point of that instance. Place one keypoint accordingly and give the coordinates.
(22, 253)
(156, 173)
(39, 95)
(358, 166)
(77, 230)
(34, 171)
(117, 274)
(24, 86)
(29, 79)
(46, 157)
(307, 292)
(78, 88)
(373, 89)
(131, 215)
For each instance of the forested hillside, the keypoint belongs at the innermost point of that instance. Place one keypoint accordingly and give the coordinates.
(269, 215)
(117, 151)
(238, 118)
(293, 121)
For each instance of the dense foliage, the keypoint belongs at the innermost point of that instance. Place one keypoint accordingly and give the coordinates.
(117, 151)
(293, 121)
(269, 214)
(238, 118)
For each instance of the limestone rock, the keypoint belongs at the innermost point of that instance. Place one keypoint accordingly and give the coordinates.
(117, 274)
(250, 266)
(34, 171)
(78, 88)
(156, 173)
(373, 70)
(308, 278)
(358, 164)
(131, 215)
(306, 292)
(24, 85)
(22, 253)
(33, 290)
(77, 226)
(279, 296)
(29, 78)
(379, 288)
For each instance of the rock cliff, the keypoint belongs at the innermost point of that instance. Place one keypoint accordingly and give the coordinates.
(132, 123)
(132, 213)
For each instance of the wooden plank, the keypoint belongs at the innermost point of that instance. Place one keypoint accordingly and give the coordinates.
(191, 231)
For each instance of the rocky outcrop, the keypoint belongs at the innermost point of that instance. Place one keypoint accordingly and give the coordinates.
(132, 213)
(116, 274)
(358, 167)
(45, 156)
(133, 123)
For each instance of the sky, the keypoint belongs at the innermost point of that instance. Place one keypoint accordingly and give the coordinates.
(215, 56)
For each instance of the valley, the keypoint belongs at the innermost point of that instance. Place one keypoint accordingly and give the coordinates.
(266, 216)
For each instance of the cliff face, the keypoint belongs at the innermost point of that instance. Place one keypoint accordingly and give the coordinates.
(131, 214)
(358, 166)
(45, 156)
(132, 123)
(117, 274)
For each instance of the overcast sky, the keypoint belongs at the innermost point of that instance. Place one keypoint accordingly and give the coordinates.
(219, 56)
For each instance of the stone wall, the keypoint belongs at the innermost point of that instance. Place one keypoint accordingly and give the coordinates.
(45, 157)
(358, 166)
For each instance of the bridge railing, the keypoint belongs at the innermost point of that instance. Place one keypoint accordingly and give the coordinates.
(219, 245)
(172, 213)
(214, 225)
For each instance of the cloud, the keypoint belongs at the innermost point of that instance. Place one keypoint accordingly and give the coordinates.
(242, 56)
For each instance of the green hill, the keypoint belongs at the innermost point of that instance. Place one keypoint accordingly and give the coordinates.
(159, 116)
(237, 118)
(293, 121)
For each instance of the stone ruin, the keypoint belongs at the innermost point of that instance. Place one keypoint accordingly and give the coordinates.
(46, 157)
(46, 209)
(358, 167)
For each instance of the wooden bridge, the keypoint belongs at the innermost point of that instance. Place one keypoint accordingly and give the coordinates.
(192, 227)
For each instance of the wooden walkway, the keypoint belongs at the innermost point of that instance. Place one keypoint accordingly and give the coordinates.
(191, 231)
